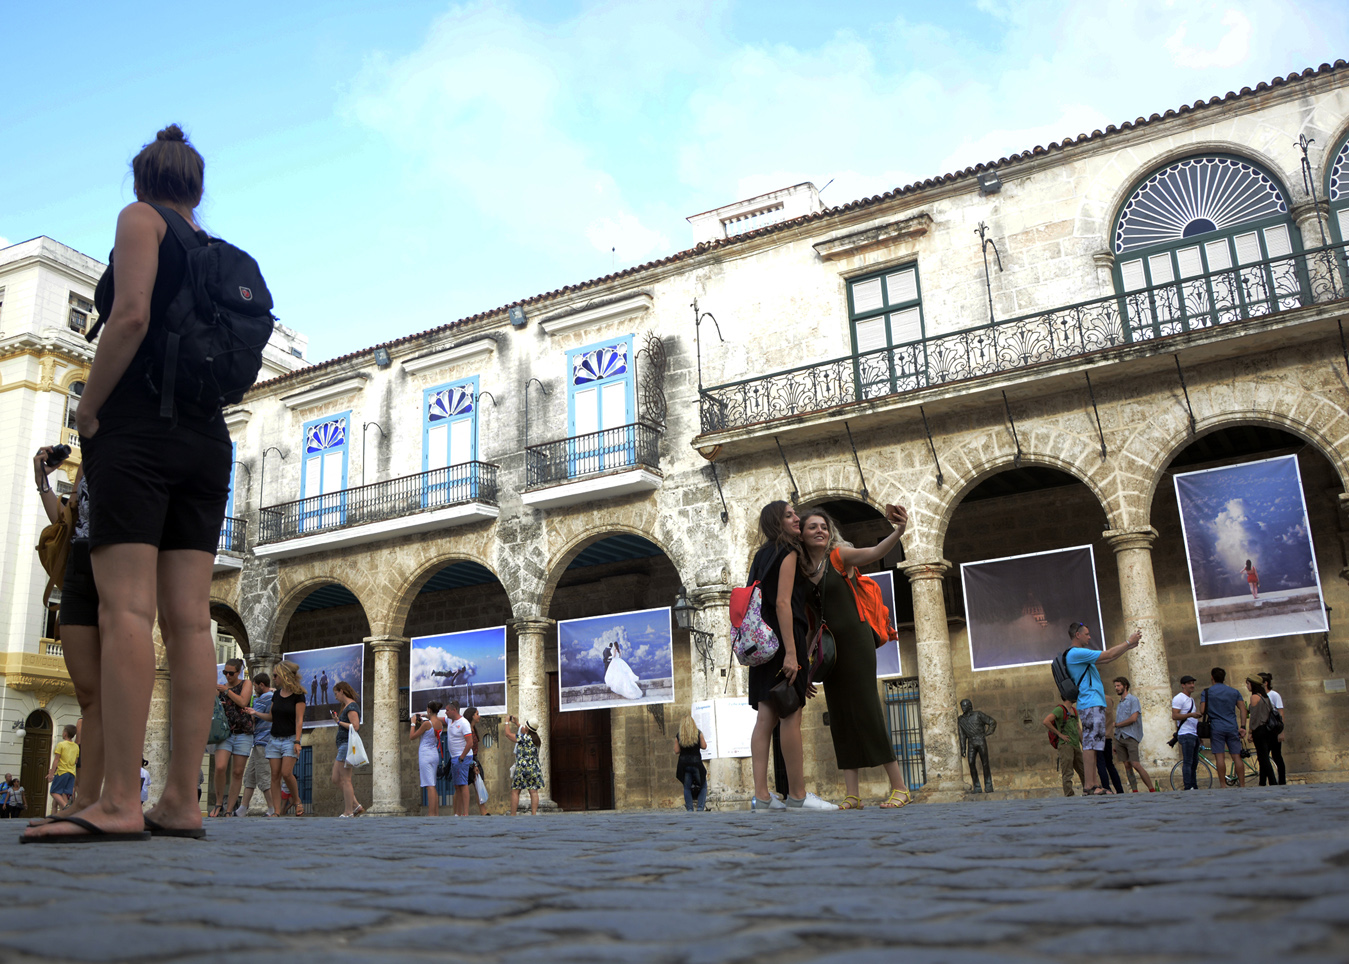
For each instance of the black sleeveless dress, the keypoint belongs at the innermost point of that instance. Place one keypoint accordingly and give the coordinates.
(766, 568)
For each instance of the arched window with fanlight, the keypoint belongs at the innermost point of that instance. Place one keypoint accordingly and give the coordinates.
(1203, 241)
(450, 441)
(1337, 190)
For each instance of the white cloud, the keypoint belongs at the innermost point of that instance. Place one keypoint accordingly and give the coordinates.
(1232, 48)
(1234, 542)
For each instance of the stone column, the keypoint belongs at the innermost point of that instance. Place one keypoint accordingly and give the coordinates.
(1147, 674)
(730, 780)
(941, 745)
(385, 780)
(1313, 223)
(532, 634)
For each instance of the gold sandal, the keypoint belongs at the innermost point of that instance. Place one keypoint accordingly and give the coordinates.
(893, 802)
(851, 802)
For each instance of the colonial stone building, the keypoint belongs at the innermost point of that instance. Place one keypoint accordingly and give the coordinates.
(1023, 353)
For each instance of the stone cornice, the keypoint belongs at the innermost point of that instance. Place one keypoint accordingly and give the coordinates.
(618, 309)
(872, 239)
(327, 391)
(481, 348)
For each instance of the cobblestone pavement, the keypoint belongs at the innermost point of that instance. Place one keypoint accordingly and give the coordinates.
(1259, 875)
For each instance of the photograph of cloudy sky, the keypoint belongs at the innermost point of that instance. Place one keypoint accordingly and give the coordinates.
(1249, 548)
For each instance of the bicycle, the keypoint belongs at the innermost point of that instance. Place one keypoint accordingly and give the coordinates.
(1203, 775)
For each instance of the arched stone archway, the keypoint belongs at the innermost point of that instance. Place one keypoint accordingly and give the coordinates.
(231, 623)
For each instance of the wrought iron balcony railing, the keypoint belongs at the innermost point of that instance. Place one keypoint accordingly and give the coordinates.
(232, 535)
(1197, 302)
(391, 499)
(624, 447)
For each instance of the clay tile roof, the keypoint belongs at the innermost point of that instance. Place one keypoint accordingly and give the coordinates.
(917, 187)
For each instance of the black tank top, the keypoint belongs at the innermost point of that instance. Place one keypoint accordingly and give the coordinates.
(135, 396)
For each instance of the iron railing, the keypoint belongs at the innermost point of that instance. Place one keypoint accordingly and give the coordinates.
(1197, 302)
(904, 713)
(605, 451)
(232, 535)
(391, 499)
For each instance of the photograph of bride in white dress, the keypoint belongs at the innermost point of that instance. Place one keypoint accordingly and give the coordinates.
(623, 659)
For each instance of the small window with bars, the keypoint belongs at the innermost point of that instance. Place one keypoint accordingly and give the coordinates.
(80, 310)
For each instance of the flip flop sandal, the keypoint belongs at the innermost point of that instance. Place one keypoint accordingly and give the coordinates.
(893, 801)
(851, 802)
(157, 830)
(1097, 792)
(92, 834)
(217, 811)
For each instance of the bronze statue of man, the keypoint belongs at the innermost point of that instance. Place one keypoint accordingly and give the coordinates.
(976, 727)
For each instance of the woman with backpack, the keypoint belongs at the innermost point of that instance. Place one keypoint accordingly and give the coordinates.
(78, 621)
(856, 717)
(158, 488)
(784, 611)
(1265, 740)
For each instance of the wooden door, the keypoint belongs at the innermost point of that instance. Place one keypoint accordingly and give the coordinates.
(582, 776)
(37, 759)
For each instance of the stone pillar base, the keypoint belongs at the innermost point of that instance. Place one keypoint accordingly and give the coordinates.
(386, 811)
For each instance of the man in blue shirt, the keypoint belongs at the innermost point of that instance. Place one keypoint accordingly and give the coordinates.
(1083, 660)
(258, 773)
(1224, 705)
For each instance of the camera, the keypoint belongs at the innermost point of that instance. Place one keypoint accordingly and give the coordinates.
(1173, 741)
(58, 454)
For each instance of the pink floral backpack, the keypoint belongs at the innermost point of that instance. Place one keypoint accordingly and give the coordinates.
(753, 641)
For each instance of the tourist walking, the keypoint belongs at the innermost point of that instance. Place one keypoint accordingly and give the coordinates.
(1185, 714)
(1225, 707)
(1105, 760)
(348, 721)
(786, 612)
(459, 750)
(425, 733)
(61, 774)
(4, 794)
(286, 714)
(258, 771)
(236, 696)
(689, 768)
(1261, 705)
(78, 620)
(1065, 736)
(1276, 748)
(1083, 662)
(158, 487)
(16, 798)
(1129, 735)
(526, 774)
(856, 718)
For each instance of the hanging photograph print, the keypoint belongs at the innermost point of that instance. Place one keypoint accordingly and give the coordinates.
(320, 671)
(887, 657)
(1249, 547)
(469, 667)
(1017, 609)
(624, 659)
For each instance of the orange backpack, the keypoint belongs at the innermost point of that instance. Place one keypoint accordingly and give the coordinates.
(871, 606)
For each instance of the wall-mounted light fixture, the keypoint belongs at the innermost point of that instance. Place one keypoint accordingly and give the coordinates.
(18, 729)
(702, 641)
(517, 315)
(382, 359)
(989, 182)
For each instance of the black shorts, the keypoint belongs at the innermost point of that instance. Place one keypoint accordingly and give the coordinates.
(158, 483)
(79, 596)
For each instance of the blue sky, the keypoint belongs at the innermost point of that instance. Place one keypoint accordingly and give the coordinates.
(398, 166)
(1250, 511)
(649, 650)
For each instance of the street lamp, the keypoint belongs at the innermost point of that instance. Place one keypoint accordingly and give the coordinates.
(18, 729)
(702, 641)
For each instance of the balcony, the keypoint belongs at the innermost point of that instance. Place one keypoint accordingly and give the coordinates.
(582, 468)
(230, 549)
(1195, 309)
(71, 437)
(456, 495)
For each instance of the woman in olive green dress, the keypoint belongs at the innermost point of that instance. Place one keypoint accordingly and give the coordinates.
(856, 718)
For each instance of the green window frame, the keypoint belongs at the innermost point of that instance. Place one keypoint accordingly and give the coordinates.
(888, 330)
(1337, 190)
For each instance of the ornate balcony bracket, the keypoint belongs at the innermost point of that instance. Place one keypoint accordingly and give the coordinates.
(1186, 392)
(1095, 411)
(796, 496)
(932, 448)
(1011, 421)
(716, 480)
(857, 462)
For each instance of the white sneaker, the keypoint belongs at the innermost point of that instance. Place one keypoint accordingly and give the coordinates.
(811, 802)
(241, 811)
(773, 803)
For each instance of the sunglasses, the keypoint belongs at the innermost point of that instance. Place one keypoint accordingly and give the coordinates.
(230, 672)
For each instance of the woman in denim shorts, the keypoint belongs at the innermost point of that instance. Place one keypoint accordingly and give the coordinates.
(236, 694)
(287, 719)
(348, 722)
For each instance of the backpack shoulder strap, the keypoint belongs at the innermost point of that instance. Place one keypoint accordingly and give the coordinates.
(187, 238)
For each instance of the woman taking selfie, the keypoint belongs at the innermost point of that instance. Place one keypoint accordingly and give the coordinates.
(856, 717)
(158, 488)
(526, 774)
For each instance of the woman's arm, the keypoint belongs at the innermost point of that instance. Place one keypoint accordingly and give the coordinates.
(852, 556)
(702, 741)
(51, 502)
(786, 581)
(353, 721)
(419, 730)
(299, 721)
(135, 266)
(244, 696)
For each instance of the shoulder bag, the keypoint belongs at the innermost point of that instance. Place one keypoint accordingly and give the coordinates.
(1202, 727)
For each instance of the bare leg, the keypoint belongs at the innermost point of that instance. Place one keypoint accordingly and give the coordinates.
(432, 801)
(896, 775)
(274, 791)
(534, 802)
(288, 775)
(1221, 759)
(759, 742)
(79, 645)
(794, 753)
(1090, 778)
(515, 800)
(849, 782)
(236, 781)
(1142, 772)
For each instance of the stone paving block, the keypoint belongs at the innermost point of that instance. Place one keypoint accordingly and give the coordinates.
(129, 942)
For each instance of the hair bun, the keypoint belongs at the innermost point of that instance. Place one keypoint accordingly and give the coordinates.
(171, 133)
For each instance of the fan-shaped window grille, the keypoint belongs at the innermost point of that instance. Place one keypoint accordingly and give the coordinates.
(1337, 190)
(1203, 241)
